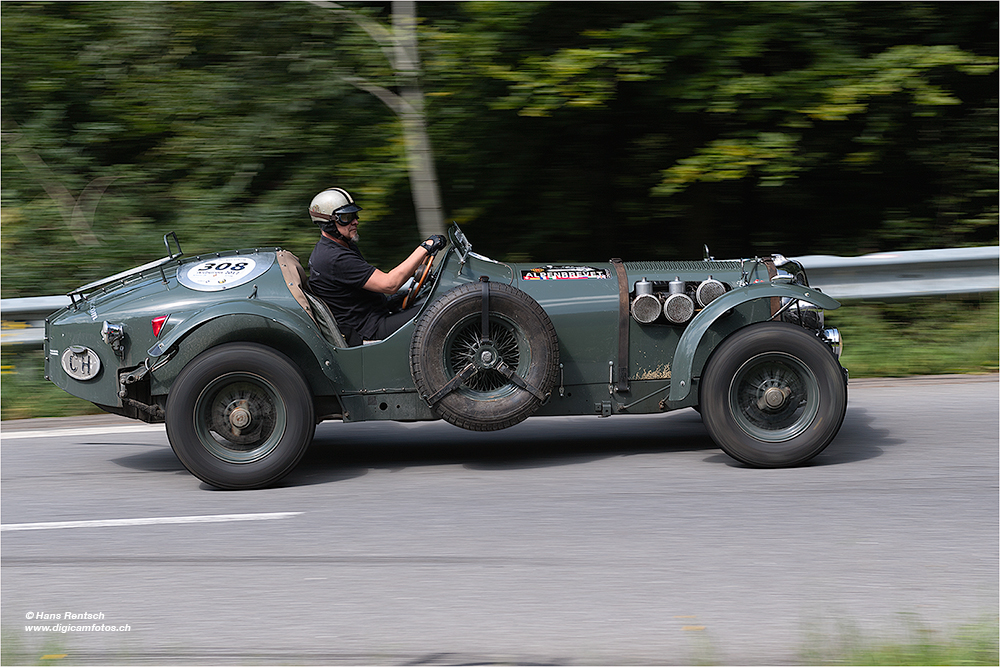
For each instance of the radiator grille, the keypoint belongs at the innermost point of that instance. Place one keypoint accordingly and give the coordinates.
(651, 267)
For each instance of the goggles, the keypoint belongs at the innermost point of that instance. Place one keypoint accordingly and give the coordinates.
(347, 218)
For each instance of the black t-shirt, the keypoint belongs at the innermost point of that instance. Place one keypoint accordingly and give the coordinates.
(337, 275)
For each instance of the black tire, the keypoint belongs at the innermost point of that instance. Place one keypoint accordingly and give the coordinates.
(447, 338)
(253, 395)
(773, 395)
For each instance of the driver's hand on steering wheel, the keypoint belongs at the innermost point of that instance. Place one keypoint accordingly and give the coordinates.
(433, 244)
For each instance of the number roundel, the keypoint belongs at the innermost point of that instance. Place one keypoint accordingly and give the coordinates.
(219, 273)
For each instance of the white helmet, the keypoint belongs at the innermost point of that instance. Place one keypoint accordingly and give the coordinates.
(327, 206)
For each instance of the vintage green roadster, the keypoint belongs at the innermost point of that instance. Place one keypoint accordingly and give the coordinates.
(241, 362)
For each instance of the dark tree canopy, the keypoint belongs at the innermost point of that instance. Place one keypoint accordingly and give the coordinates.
(561, 131)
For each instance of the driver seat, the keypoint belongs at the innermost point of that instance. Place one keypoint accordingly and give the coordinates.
(298, 284)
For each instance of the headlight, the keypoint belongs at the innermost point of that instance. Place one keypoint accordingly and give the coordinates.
(832, 338)
(114, 335)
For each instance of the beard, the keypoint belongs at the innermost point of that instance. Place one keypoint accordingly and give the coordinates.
(352, 237)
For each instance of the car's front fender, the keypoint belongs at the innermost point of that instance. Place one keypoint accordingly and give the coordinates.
(681, 369)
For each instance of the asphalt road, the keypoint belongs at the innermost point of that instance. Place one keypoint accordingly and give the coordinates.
(628, 540)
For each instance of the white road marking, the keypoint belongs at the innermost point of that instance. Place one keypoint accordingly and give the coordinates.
(82, 432)
(147, 521)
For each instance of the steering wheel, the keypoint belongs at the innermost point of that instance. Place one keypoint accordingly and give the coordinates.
(415, 287)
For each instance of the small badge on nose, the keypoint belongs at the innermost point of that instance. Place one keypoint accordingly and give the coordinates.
(81, 363)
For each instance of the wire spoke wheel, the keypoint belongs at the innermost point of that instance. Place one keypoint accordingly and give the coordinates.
(466, 346)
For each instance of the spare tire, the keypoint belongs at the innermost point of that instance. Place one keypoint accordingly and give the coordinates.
(484, 383)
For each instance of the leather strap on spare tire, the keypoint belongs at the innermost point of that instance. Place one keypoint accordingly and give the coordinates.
(623, 325)
(484, 356)
(772, 271)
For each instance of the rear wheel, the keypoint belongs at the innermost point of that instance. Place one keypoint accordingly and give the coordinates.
(773, 395)
(240, 416)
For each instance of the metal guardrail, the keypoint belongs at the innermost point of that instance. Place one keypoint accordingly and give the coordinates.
(884, 275)
(895, 275)
(24, 319)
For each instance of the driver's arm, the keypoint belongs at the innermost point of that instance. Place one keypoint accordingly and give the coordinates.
(389, 283)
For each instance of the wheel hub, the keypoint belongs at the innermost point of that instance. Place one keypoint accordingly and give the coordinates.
(239, 415)
(774, 397)
(486, 356)
(242, 415)
(468, 346)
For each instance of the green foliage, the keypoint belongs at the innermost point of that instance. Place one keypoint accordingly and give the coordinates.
(926, 336)
(562, 131)
(769, 155)
(26, 394)
(969, 644)
(200, 118)
(752, 127)
(48, 650)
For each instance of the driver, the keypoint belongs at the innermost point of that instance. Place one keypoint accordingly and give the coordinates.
(357, 292)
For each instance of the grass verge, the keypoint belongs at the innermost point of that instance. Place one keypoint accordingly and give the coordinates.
(971, 644)
(50, 651)
(25, 393)
(925, 336)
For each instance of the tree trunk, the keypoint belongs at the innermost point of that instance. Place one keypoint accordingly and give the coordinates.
(419, 155)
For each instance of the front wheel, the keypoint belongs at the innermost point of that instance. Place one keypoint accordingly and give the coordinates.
(240, 416)
(773, 395)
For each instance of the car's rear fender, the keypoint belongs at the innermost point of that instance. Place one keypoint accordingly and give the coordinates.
(258, 322)
(684, 363)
